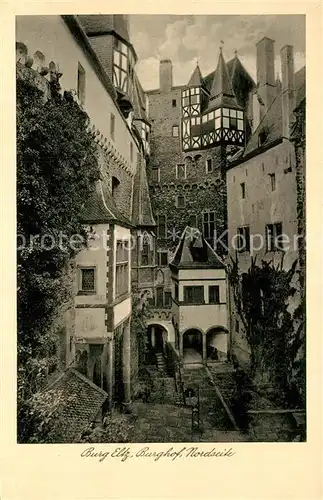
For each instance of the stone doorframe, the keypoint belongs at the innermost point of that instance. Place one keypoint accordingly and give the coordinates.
(181, 335)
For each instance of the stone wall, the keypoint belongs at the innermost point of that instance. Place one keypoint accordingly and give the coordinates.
(202, 190)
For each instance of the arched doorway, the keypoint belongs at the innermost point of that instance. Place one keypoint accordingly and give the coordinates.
(216, 344)
(157, 337)
(192, 346)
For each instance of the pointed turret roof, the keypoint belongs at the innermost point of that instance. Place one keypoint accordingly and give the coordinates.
(142, 214)
(221, 91)
(193, 251)
(196, 78)
(101, 208)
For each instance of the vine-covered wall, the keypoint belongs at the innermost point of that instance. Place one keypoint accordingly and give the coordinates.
(56, 170)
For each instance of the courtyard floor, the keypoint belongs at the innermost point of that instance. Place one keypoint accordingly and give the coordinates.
(162, 420)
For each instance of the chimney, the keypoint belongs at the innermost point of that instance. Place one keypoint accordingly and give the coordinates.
(288, 88)
(266, 72)
(165, 75)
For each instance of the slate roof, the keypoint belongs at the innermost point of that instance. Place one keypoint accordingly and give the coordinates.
(233, 79)
(272, 120)
(101, 208)
(81, 402)
(194, 252)
(196, 78)
(98, 24)
(221, 90)
(142, 214)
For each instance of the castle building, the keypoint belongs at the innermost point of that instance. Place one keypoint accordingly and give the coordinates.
(192, 127)
(96, 60)
(199, 307)
(211, 155)
(262, 183)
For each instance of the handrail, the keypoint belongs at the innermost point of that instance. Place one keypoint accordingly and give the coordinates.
(176, 362)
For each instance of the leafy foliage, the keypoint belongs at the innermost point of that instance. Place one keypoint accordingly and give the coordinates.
(116, 428)
(39, 413)
(274, 333)
(56, 170)
(140, 312)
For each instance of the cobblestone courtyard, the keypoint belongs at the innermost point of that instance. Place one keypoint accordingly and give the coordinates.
(162, 421)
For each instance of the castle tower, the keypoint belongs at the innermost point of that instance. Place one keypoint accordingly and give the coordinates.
(109, 36)
(191, 109)
(221, 123)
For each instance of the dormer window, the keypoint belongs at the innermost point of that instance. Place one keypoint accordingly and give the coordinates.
(115, 187)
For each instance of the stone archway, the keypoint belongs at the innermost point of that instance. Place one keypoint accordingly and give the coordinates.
(216, 344)
(157, 337)
(192, 346)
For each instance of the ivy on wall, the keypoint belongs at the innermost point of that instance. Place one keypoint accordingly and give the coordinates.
(56, 170)
(275, 334)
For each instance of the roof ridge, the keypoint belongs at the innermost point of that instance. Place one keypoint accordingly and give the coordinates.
(88, 381)
(266, 113)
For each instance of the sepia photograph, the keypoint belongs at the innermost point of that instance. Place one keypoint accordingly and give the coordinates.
(161, 228)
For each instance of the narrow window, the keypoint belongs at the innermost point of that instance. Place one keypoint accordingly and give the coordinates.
(163, 258)
(112, 126)
(122, 267)
(175, 131)
(243, 239)
(243, 190)
(180, 171)
(272, 182)
(176, 292)
(146, 252)
(273, 237)
(168, 299)
(87, 280)
(208, 224)
(161, 228)
(174, 103)
(214, 294)
(237, 325)
(180, 201)
(81, 83)
(209, 167)
(159, 296)
(155, 174)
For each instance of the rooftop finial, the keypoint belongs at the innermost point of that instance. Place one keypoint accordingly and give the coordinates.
(235, 52)
(221, 45)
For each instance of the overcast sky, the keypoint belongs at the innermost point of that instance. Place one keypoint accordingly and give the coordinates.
(186, 39)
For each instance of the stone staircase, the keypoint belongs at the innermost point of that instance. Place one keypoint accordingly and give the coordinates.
(212, 413)
(161, 364)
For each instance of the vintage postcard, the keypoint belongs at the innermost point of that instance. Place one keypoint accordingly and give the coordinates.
(162, 301)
